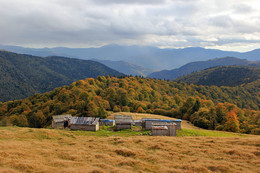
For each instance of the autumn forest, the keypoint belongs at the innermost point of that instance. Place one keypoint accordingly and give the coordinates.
(234, 109)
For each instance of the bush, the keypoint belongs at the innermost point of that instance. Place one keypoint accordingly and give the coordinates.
(149, 111)
(220, 128)
(4, 121)
(20, 120)
(160, 111)
(125, 109)
(140, 110)
(116, 108)
(202, 123)
(256, 131)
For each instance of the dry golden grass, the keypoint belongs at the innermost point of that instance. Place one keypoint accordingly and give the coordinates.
(50, 150)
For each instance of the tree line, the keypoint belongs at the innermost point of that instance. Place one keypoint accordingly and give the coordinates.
(233, 109)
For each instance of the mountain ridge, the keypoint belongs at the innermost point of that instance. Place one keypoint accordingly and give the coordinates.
(146, 56)
(223, 76)
(199, 65)
(23, 75)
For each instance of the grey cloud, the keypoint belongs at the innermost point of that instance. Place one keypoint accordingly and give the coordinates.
(151, 22)
(232, 26)
(223, 21)
(242, 8)
(102, 2)
(223, 41)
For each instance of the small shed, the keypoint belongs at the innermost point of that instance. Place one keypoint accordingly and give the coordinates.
(107, 122)
(159, 130)
(147, 122)
(84, 123)
(58, 120)
(178, 123)
(164, 130)
(123, 122)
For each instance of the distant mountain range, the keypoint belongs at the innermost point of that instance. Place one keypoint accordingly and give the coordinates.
(223, 76)
(24, 75)
(148, 57)
(126, 68)
(200, 65)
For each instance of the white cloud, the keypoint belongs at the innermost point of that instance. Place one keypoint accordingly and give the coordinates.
(223, 24)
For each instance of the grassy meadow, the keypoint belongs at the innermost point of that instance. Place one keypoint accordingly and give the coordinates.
(194, 150)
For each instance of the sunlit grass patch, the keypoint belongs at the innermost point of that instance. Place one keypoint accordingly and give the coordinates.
(197, 132)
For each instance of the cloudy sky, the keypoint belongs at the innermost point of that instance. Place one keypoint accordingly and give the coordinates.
(220, 24)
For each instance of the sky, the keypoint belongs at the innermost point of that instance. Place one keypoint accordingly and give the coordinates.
(218, 24)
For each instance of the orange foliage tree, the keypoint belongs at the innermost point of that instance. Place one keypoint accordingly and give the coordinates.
(232, 123)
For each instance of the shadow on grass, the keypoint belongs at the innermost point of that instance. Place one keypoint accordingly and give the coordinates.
(105, 131)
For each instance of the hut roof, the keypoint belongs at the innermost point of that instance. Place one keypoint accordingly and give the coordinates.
(159, 120)
(60, 118)
(106, 120)
(123, 119)
(84, 120)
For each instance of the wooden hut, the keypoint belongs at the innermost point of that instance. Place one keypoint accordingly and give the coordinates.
(147, 122)
(107, 122)
(178, 123)
(58, 120)
(84, 123)
(123, 122)
(164, 130)
(159, 130)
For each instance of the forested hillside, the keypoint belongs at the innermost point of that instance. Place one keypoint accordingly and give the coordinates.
(24, 75)
(200, 65)
(223, 76)
(210, 107)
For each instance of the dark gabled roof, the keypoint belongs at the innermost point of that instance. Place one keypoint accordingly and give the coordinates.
(84, 120)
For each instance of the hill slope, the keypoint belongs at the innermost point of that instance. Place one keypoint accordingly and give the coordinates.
(199, 65)
(24, 75)
(206, 107)
(223, 76)
(148, 57)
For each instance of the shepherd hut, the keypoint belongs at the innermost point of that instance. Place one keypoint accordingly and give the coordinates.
(58, 120)
(178, 123)
(147, 122)
(164, 130)
(84, 123)
(123, 122)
